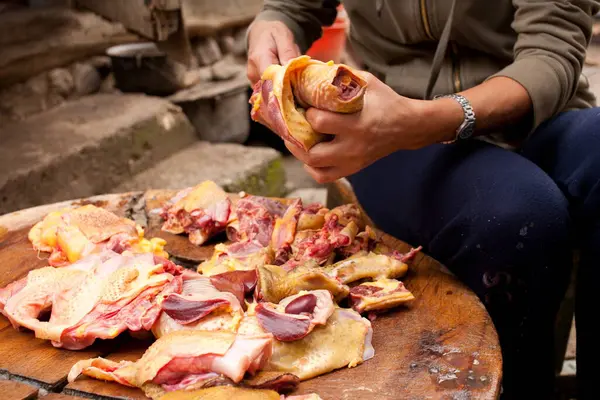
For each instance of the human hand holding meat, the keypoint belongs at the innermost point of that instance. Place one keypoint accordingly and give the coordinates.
(386, 123)
(269, 42)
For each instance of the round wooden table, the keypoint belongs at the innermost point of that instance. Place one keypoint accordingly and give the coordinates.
(442, 346)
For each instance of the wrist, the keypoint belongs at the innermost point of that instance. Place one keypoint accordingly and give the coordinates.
(441, 119)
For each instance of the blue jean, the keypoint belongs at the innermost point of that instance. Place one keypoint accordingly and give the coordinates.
(506, 224)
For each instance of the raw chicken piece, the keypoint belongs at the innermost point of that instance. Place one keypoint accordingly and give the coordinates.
(306, 82)
(339, 230)
(381, 294)
(344, 341)
(372, 266)
(240, 256)
(200, 306)
(180, 359)
(295, 316)
(71, 234)
(275, 284)
(254, 218)
(285, 231)
(201, 212)
(98, 297)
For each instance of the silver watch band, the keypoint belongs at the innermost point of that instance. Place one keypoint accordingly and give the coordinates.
(466, 129)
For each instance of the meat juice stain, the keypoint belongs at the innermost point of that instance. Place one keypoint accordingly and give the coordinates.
(450, 368)
(458, 370)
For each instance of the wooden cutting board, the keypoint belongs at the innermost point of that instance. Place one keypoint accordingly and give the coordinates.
(442, 346)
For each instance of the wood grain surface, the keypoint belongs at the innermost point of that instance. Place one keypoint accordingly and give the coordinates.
(442, 346)
(17, 390)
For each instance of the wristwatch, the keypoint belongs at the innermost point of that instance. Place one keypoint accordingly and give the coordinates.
(466, 129)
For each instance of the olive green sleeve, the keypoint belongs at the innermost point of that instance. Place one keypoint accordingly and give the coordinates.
(552, 39)
(303, 17)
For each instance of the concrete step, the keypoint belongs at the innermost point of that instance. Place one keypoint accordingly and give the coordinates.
(256, 170)
(86, 147)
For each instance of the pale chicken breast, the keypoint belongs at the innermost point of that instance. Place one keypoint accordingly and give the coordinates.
(98, 297)
(345, 341)
(71, 234)
(179, 356)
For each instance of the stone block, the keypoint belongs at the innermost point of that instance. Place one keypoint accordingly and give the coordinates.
(208, 17)
(86, 147)
(310, 195)
(218, 110)
(255, 170)
(207, 51)
(37, 40)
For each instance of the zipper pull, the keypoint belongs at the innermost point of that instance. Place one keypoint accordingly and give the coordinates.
(378, 7)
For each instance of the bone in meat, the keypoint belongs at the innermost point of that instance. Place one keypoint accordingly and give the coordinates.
(201, 212)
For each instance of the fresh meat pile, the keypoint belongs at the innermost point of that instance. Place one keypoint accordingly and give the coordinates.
(262, 314)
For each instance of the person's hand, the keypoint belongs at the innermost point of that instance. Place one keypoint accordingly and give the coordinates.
(388, 122)
(269, 42)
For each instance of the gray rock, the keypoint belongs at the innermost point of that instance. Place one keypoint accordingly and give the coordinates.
(61, 81)
(108, 85)
(218, 110)
(227, 68)
(309, 196)
(255, 170)
(207, 51)
(239, 45)
(37, 40)
(297, 176)
(86, 79)
(86, 147)
(226, 41)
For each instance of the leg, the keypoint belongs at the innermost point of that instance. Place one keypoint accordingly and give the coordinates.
(568, 149)
(500, 224)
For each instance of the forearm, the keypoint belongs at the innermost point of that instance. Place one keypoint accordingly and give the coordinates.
(499, 103)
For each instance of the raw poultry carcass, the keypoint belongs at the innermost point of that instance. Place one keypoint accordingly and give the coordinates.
(199, 306)
(296, 316)
(284, 92)
(367, 266)
(239, 256)
(185, 359)
(275, 283)
(71, 234)
(345, 341)
(201, 212)
(254, 218)
(381, 294)
(97, 297)
(339, 231)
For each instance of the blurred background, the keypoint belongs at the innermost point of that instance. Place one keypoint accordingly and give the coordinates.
(100, 96)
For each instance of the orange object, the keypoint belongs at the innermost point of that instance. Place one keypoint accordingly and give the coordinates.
(331, 45)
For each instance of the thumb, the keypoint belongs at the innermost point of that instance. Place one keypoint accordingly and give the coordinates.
(286, 48)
